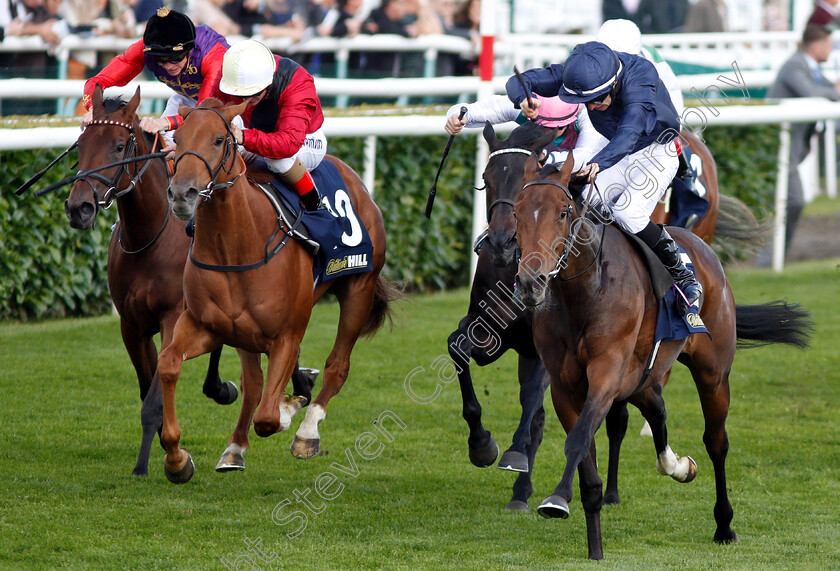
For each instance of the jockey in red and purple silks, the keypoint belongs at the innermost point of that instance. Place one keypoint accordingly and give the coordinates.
(186, 58)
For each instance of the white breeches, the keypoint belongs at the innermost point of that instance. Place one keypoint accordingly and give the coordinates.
(634, 185)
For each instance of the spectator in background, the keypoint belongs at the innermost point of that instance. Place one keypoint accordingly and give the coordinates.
(800, 76)
(343, 20)
(706, 16)
(652, 16)
(387, 19)
(209, 13)
(145, 9)
(824, 14)
(466, 24)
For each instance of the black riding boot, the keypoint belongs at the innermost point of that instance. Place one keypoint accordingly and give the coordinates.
(312, 200)
(669, 253)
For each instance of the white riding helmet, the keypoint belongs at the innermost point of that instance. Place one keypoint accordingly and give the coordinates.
(621, 36)
(247, 69)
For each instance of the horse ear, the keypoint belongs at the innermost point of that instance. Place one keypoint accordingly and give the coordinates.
(490, 136)
(133, 103)
(96, 98)
(231, 111)
(183, 110)
(566, 170)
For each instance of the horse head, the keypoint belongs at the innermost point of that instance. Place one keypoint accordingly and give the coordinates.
(109, 138)
(544, 212)
(503, 181)
(205, 157)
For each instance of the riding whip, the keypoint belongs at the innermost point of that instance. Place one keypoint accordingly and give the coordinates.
(525, 89)
(25, 186)
(431, 201)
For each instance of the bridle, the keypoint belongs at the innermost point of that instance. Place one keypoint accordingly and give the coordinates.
(229, 153)
(569, 242)
(130, 153)
(507, 201)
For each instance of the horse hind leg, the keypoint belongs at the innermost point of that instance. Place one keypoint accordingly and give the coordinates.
(713, 389)
(223, 392)
(616, 421)
(355, 300)
(652, 406)
(483, 449)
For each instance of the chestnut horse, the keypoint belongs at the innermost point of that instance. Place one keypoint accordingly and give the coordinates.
(594, 331)
(261, 310)
(147, 252)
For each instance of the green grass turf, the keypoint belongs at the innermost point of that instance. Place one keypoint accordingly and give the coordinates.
(69, 415)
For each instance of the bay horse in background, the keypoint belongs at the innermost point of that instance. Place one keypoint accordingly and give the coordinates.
(593, 326)
(262, 310)
(147, 251)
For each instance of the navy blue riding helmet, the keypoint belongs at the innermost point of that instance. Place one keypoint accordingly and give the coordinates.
(589, 73)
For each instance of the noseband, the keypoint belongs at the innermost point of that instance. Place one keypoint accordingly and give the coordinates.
(229, 153)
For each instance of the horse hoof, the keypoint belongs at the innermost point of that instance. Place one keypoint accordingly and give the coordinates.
(486, 455)
(726, 536)
(140, 470)
(232, 459)
(517, 506)
(692, 470)
(554, 507)
(305, 448)
(513, 461)
(228, 393)
(183, 475)
(611, 499)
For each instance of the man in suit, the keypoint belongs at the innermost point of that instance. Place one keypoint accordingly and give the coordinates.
(800, 76)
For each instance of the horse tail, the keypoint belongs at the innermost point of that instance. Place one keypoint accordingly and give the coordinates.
(385, 293)
(737, 224)
(773, 322)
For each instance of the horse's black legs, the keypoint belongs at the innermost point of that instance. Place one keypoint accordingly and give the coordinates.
(714, 398)
(221, 392)
(616, 429)
(522, 488)
(303, 380)
(482, 446)
(151, 419)
(592, 500)
(532, 384)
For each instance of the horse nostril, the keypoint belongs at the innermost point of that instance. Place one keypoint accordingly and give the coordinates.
(87, 210)
(192, 194)
(170, 196)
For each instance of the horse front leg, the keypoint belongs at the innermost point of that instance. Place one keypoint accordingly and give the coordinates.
(190, 341)
(143, 354)
(522, 487)
(483, 449)
(579, 438)
(233, 458)
(531, 393)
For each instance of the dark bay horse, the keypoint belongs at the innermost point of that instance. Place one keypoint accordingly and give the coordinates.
(593, 327)
(496, 321)
(262, 310)
(147, 251)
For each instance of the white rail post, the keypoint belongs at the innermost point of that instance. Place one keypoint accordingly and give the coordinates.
(369, 176)
(830, 141)
(781, 198)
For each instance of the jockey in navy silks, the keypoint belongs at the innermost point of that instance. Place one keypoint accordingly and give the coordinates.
(630, 106)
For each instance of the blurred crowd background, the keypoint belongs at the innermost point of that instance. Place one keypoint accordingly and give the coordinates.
(302, 20)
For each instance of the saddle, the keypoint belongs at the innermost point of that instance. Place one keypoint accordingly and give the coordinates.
(290, 217)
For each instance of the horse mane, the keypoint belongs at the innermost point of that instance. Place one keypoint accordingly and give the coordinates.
(526, 135)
